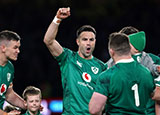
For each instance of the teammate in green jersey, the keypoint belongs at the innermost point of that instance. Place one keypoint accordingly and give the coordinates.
(32, 97)
(79, 70)
(126, 87)
(9, 50)
(151, 61)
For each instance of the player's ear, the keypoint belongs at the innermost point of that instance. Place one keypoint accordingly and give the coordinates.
(3, 48)
(77, 41)
(25, 103)
(111, 52)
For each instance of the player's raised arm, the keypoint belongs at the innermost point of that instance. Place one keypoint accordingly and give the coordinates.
(49, 39)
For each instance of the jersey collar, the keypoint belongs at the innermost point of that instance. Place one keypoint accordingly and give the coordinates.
(125, 60)
(137, 54)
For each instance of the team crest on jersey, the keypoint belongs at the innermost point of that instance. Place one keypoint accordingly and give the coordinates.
(95, 70)
(139, 59)
(8, 76)
(3, 89)
(86, 77)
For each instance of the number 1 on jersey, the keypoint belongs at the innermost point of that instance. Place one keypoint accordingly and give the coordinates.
(136, 95)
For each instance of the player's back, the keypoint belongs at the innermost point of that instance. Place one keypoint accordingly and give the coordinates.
(131, 85)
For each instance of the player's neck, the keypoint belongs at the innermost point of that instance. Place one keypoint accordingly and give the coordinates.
(85, 57)
(118, 58)
(3, 60)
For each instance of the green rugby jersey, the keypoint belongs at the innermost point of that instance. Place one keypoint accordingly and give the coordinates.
(128, 86)
(143, 59)
(6, 77)
(78, 81)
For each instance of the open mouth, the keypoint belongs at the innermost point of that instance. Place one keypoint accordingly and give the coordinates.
(88, 49)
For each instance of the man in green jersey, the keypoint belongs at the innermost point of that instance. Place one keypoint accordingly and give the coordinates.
(151, 61)
(9, 50)
(32, 96)
(79, 70)
(126, 87)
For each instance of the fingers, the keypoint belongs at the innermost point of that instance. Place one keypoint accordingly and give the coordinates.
(63, 13)
(14, 112)
(64, 10)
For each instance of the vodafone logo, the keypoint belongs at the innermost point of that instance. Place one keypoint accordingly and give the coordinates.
(3, 89)
(86, 77)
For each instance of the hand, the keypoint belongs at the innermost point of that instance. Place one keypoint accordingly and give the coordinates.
(14, 112)
(156, 94)
(158, 69)
(63, 13)
(41, 108)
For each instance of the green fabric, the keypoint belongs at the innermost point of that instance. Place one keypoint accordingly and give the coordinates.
(6, 78)
(155, 58)
(138, 40)
(117, 82)
(78, 81)
(151, 104)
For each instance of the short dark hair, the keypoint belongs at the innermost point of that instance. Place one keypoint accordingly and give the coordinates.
(119, 42)
(9, 35)
(85, 28)
(129, 30)
(31, 90)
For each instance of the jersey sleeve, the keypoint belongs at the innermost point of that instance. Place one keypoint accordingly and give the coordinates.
(102, 84)
(63, 57)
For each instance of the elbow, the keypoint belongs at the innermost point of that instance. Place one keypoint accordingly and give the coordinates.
(45, 40)
(93, 111)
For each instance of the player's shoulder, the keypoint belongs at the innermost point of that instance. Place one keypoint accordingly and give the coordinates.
(9, 64)
(154, 57)
(142, 68)
(66, 52)
(111, 70)
(98, 60)
(102, 64)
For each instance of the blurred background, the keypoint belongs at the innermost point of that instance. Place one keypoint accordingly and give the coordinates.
(31, 18)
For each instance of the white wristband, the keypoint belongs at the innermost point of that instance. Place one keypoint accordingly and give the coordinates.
(57, 20)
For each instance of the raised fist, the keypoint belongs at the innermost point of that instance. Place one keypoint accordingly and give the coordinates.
(63, 13)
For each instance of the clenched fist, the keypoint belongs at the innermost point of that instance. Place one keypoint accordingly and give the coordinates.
(63, 13)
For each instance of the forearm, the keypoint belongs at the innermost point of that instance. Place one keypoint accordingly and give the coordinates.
(17, 101)
(51, 33)
(49, 39)
(157, 108)
(14, 99)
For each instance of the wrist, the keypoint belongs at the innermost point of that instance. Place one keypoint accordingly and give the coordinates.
(57, 20)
